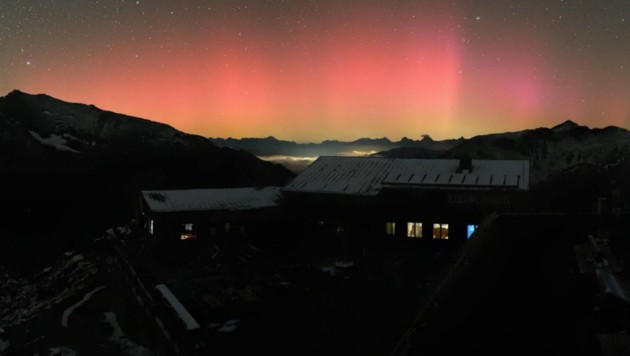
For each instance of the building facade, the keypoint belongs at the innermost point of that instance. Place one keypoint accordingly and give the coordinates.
(359, 198)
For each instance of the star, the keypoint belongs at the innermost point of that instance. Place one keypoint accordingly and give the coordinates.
(340, 54)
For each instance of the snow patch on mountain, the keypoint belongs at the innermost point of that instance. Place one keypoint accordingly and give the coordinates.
(551, 151)
(55, 141)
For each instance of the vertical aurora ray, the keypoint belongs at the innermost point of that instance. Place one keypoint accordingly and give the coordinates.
(330, 70)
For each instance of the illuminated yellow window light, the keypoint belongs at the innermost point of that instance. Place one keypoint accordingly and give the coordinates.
(414, 229)
(390, 228)
(187, 236)
(440, 231)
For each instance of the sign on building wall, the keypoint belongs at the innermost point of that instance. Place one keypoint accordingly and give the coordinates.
(473, 199)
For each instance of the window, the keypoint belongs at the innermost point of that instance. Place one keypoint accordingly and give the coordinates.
(440, 231)
(151, 226)
(187, 232)
(414, 229)
(390, 228)
(187, 236)
(471, 230)
(227, 227)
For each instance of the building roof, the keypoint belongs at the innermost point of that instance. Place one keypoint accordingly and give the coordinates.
(368, 175)
(447, 173)
(211, 199)
(342, 175)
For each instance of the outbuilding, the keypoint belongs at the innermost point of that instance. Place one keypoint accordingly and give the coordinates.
(206, 213)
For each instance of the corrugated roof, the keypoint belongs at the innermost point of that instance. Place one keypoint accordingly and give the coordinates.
(342, 175)
(211, 199)
(366, 176)
(444, 172)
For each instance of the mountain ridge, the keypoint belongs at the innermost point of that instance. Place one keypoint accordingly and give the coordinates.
(271, 146)
(77, 170)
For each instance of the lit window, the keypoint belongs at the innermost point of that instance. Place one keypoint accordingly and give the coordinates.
(187, 236)
(390, 228)
(151, 226)
(187, 232)
(440, 231)
(227, 227)
(471, 230)
(414, 229)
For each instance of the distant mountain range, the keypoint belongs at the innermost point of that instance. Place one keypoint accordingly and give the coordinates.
(570, 165)
(270, 146)
(73, 170)
(550, 150)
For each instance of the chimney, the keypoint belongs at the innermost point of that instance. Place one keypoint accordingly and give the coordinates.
(465, 165)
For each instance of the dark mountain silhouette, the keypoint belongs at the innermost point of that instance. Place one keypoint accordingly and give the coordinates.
(571, 166)
(72, 170)
(552, 150)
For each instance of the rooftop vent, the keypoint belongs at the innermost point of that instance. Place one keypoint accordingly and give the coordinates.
(465, 165)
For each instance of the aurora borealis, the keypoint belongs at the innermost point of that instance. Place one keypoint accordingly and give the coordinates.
(315, 70)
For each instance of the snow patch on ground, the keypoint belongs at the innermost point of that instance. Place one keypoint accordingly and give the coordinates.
(22, 299)
(55, 141)
(344, 264)
(115, 233)
(118, 337)
(229, 326)
(69, 310)
(61, 351)
(329, 269)
(4, 345)
(255, 248)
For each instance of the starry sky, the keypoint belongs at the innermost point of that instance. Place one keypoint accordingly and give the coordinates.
(313, 70)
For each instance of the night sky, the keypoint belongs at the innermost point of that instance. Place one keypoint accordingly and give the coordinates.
(313, 70)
